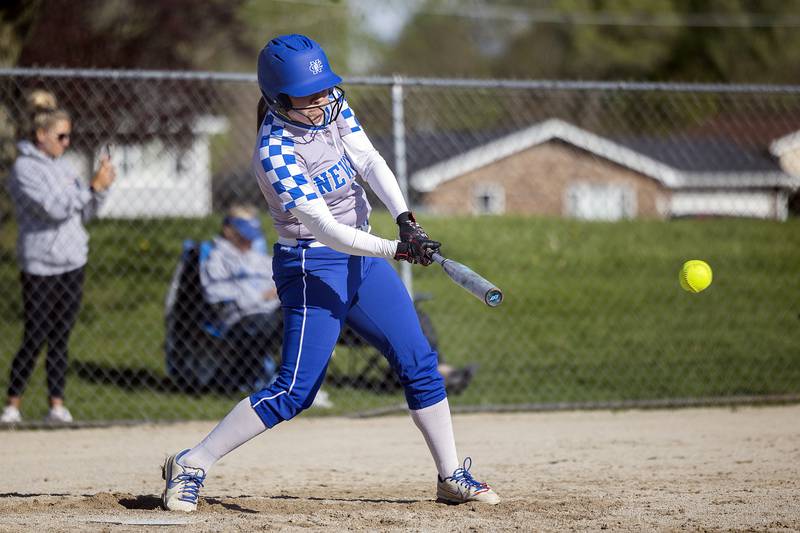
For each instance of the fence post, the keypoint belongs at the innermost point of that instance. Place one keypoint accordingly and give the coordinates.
(399, 135)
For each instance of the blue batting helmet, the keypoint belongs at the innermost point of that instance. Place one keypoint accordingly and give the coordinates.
(294, 65)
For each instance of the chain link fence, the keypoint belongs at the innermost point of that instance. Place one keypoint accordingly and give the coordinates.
(580, 200)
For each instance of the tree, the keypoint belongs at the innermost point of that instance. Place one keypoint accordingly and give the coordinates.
(575, 49)
(15, 19)
(174, 34)
(760, 49)
(437, 44)
(666, 40)
(328, 22)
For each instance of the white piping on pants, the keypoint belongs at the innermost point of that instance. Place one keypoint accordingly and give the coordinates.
(302, 335)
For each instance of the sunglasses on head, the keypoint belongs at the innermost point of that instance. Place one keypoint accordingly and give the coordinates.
(63, 137)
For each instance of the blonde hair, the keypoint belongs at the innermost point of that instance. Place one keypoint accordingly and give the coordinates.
(242, 211)
(44, 112)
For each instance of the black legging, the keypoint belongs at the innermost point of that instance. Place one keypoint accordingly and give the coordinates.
(50, 305)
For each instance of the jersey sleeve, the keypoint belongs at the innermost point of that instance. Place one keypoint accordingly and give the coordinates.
(316, 217)
(373, 168)
(347, 121)
(285, 171)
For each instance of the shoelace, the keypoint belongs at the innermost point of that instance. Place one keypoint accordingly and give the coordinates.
(463, 477)
(190, 489)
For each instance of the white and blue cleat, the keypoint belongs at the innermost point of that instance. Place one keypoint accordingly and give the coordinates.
(461, 487)
(183, 484)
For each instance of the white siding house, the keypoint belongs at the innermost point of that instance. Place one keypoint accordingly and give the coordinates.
(158, 179)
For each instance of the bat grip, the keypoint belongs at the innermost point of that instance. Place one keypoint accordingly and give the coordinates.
(439, 258)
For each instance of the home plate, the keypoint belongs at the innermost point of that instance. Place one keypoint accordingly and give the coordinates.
(142, 521)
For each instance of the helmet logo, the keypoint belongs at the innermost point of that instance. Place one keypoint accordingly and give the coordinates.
(316, 66)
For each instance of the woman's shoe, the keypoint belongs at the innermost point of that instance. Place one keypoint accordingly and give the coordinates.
(11, 415)
(58, 415)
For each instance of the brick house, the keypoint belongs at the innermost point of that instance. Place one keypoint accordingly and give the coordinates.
(555, 168)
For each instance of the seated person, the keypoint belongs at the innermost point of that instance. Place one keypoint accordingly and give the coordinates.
(235, 275)
(236, 279)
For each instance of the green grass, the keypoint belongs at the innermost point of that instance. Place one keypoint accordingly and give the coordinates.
(593, 312)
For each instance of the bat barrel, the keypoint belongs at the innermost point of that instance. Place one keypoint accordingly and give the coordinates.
(478, 286)
(493, 297)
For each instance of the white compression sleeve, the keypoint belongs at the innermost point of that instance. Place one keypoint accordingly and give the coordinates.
(373, 168)
(317, 218)
(436, 426)
(238, 427)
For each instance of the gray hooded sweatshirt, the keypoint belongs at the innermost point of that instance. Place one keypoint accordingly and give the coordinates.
(51, 205)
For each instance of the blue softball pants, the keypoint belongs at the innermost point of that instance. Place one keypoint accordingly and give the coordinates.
(320, 290)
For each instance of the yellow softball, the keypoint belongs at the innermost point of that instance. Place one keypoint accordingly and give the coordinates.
(695, 275)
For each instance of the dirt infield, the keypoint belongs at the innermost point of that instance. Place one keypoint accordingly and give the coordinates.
(688, 469)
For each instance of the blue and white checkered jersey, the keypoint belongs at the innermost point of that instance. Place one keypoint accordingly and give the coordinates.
(296, 163)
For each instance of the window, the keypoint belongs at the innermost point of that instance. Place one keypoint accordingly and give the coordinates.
(182, 163)
(129, 154)
(488, 199)
(600, 201)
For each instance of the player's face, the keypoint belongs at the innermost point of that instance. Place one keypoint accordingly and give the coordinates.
(310, 109)
(54, 140)
(236, 239)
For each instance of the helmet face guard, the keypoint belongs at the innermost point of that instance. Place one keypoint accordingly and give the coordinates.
(295, 65)
(330, 109)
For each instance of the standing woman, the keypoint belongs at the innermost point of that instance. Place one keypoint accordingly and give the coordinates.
(329, 270)
(51, 205)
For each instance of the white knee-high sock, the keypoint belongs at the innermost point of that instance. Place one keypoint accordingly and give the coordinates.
(437, 427)
(238, 427)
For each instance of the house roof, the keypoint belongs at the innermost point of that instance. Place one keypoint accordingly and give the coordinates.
(426, 148)
(677, 162)
(704, 154)
(756, 127)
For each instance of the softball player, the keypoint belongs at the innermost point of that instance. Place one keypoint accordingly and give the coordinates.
(329, 270)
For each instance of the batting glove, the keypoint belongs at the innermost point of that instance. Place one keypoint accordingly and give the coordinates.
(415, 246)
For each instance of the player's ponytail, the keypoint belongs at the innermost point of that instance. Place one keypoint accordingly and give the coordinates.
(261, 112)
(43, 112)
